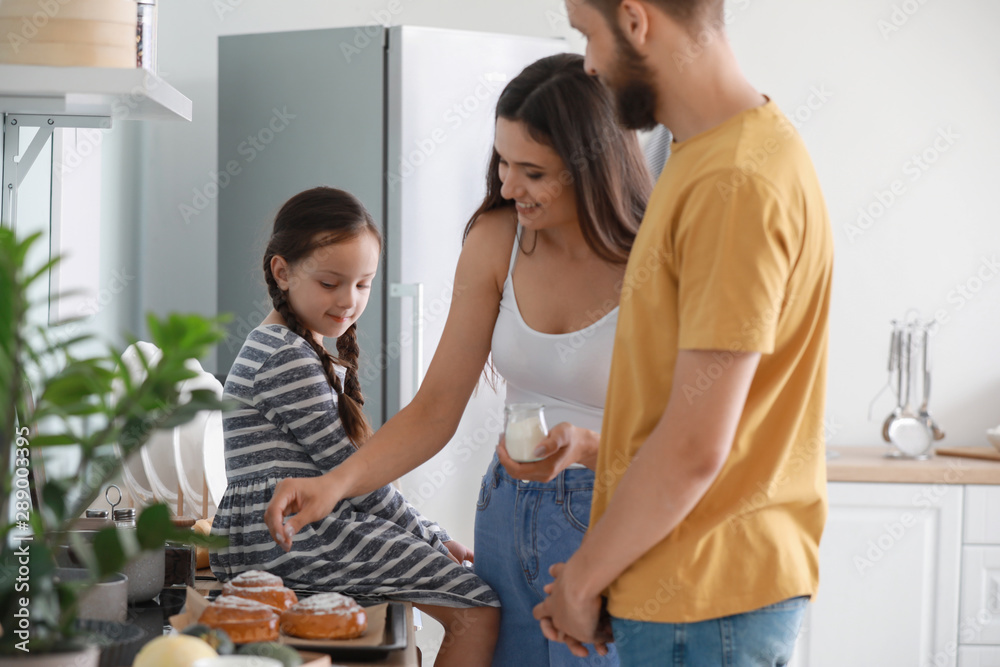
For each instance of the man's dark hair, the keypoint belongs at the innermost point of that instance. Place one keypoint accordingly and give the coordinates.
(686, 12)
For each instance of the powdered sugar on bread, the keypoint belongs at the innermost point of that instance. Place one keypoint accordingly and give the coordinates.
(327, 603)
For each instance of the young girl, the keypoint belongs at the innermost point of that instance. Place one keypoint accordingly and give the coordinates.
(540, 271)
(300, 416)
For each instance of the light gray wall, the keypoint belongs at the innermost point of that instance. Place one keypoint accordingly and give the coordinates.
(875, 99)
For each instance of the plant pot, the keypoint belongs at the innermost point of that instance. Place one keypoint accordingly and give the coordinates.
(118, 642)
(88, 657)
(146, 574)
(105, 601)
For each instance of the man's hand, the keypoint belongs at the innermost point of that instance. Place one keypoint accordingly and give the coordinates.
(307, 499)
(565, 445)
(571, 615)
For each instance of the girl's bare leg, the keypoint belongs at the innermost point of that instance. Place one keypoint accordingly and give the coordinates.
(470, 634)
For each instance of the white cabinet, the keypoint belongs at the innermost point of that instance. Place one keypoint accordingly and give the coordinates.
(980, 621)
(890, 563)
(979, 656)
(982, 514)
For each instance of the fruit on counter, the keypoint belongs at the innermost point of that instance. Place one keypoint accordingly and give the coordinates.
(202, 527)
(217, 639)
(173, 651)
(286, 655)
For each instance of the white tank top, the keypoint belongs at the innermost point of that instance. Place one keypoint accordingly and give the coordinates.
(567, 373)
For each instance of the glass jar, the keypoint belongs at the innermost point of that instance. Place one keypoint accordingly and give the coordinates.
(145, 35)
(524, 429)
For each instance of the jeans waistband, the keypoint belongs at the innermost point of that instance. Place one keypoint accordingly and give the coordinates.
(576, 479)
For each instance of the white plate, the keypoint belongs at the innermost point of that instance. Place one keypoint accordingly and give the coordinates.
(214, 458)
(132, 471)
(188, 456)
(158, 462)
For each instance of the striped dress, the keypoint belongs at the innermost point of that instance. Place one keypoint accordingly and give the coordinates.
(376, 545)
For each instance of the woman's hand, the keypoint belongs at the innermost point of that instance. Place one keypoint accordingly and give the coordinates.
(307, 499)
(566, 444)
(459, 552)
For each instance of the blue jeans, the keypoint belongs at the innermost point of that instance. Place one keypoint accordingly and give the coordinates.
(764, 637)
(522, 528)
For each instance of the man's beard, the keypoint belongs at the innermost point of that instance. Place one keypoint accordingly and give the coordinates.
(635, 97)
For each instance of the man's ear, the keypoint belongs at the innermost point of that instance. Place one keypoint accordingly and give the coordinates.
(633, 20)
(280, 271)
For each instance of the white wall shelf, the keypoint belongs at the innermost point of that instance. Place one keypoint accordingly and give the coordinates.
(118, 93)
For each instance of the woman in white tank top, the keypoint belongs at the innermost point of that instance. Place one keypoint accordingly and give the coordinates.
(537, 286)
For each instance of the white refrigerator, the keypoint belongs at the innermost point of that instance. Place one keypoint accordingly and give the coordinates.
(402, 117)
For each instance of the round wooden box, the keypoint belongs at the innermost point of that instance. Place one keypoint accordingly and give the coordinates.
(70, 33)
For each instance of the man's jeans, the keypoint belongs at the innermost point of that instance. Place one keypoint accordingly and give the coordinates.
(761, 638)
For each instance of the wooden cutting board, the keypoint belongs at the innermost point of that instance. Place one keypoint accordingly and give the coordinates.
(987, 453)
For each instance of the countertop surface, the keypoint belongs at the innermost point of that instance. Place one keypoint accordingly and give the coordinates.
(869, 464)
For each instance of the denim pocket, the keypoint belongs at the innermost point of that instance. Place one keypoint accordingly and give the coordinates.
(486, 489)
(576, 507)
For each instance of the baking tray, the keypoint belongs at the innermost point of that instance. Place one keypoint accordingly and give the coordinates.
(394, 638)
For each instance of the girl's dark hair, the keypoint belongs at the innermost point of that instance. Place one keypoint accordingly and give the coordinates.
(308, 221)
(571, 111)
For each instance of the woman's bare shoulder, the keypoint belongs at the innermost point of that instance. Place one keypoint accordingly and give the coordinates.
(491, 240)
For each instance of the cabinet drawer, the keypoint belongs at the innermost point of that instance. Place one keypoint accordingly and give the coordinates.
(979, 656)
(982, 514)
(979, 622)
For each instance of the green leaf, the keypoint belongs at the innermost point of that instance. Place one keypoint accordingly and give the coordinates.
(154, 527)
(54, 497)
(111, 555)
(54, 440)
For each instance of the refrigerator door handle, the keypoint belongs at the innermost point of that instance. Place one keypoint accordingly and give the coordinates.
(415, 291)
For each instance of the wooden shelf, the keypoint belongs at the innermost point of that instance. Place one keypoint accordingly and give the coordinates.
(122, 93)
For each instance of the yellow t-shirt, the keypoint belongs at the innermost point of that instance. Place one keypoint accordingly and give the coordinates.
(735, 253)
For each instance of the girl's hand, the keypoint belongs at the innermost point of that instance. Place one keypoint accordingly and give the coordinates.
(459, 552)
(307, 499)
(566, 444)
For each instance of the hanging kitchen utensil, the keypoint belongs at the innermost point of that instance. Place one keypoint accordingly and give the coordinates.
(923, 413)
(894, 368)
(911, 435)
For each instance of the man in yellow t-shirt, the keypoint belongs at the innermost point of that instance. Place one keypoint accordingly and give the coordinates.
(710, 493)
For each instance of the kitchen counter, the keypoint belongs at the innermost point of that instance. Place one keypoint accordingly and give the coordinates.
(869, 464)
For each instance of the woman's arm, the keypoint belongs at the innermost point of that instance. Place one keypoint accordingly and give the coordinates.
(423, 427)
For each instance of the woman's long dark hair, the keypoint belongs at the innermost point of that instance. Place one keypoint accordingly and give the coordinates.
(571, 111)
(310, 220)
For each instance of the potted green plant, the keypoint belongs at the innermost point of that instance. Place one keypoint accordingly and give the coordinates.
(90, 401)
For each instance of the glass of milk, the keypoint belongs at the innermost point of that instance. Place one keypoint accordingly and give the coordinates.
(524, 430)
